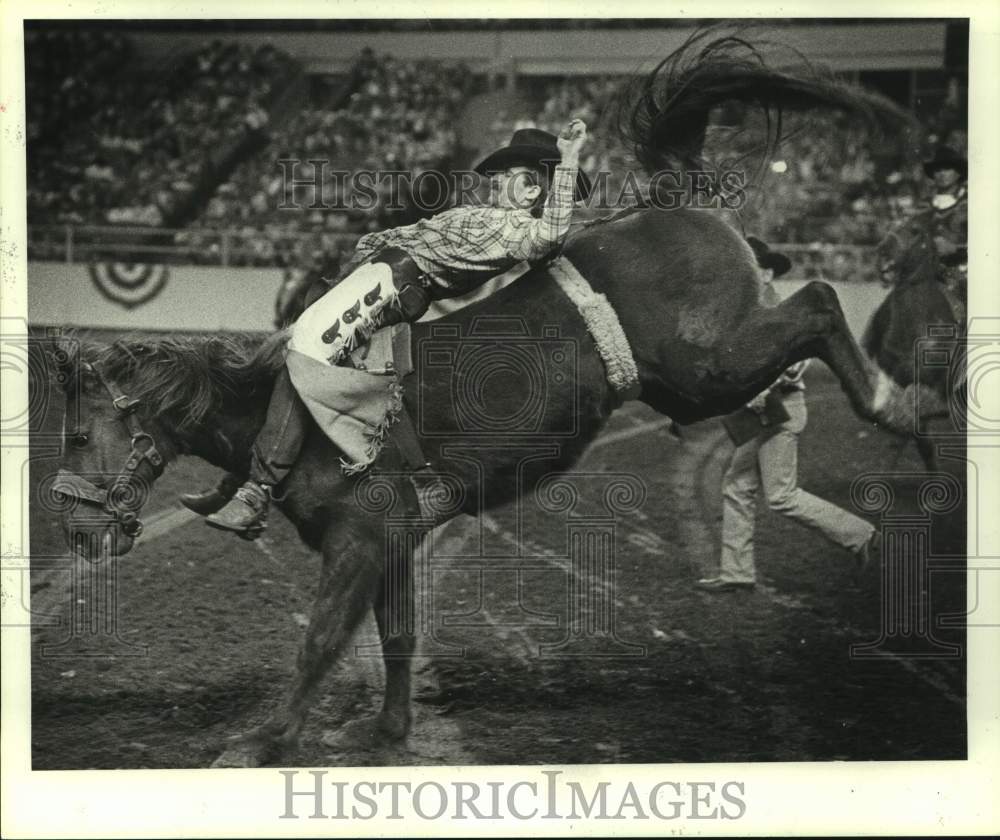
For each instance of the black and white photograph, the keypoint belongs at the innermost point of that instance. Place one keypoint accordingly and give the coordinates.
(451, 393)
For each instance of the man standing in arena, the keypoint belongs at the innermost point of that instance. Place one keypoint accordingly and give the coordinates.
(770, 460)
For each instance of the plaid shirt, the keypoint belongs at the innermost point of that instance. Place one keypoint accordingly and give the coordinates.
(467, 245)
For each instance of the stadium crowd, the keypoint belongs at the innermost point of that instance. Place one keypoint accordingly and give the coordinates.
(395, 115)
(140, 155)
(114, 146)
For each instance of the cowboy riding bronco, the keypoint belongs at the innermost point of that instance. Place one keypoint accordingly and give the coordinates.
(393, 277)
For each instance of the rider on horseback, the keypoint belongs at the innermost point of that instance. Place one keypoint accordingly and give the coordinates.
(950, 206)
(534, 183)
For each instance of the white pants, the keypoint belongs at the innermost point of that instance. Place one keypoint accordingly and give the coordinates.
(772, 463)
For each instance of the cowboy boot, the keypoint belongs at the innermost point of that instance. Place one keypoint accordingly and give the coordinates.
(245, 513)
(209, 501)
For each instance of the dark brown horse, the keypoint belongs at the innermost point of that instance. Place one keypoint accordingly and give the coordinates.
(920, 315)
(685, 286)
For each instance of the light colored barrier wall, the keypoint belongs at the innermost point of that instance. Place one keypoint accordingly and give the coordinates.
(858, 300)
(209, 299)
(193, 298)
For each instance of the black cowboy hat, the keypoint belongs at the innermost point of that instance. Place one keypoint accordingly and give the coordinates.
(531, 147)
(945, 158)
(766, 258)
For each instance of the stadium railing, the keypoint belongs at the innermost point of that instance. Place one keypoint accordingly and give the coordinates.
(137, 244)
(234, 248)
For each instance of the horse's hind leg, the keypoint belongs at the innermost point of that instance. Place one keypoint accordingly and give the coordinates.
(349, 580)
(873, 395)
(808, 324)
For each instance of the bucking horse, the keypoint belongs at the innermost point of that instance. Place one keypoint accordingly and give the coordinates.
(686, 289)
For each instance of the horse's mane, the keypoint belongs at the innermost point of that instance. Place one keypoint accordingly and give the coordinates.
(184, 378)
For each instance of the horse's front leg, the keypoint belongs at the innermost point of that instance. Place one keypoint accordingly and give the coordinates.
(349, 583)
(394, 612)
(396, 616)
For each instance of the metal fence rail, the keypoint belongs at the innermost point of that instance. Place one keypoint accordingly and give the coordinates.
(205, 246)
(199, 246)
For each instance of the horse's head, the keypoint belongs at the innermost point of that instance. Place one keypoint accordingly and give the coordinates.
(908, 250)
(113, 451)
(134, 404)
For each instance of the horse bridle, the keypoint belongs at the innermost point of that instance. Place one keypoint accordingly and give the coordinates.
(114, 499)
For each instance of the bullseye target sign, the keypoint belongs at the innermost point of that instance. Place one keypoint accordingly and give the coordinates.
(128, 284)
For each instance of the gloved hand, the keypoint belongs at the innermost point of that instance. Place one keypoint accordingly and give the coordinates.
(571, 140)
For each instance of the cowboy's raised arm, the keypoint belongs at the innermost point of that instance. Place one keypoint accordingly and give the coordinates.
(532, 240)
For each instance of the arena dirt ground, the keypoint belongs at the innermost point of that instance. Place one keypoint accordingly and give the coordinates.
(210, 626)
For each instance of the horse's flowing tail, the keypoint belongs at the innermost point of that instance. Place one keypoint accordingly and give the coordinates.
(665, 114)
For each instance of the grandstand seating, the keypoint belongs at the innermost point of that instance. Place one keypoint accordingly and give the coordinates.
(395, 115)
(173, 149)
(131, 149)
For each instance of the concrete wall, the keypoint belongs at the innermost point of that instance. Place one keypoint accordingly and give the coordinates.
(905, 45)
(858, 300)
(211, 299)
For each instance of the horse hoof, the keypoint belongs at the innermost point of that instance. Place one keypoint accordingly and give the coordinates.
(366, 733)
(393, 728)
(250, 749)
(239, 756)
